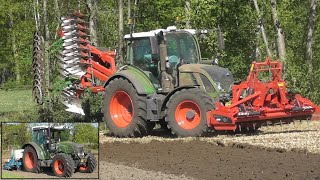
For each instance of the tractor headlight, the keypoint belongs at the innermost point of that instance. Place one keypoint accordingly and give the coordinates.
(81, 152)
(222, 119)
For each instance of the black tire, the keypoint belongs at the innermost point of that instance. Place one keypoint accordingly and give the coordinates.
(150, 126)
(163, 124)
(62, 165)
(30, 160)
(203, 103)
(91, 164)
(138, 125)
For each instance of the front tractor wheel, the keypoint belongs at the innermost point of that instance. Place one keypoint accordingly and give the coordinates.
(91, 165)
(63, 165)
(30, 160)
(186, 112)
(125, 110)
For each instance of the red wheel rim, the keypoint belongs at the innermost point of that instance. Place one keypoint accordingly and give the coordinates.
(58, 166)
(29, 160)
(121, 109)
(181, 114)
(83, 168)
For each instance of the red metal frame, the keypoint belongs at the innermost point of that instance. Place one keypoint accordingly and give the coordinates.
(254, 101)
(100, 65)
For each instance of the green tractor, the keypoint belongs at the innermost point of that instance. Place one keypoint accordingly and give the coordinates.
(48, 150)
(166, 82)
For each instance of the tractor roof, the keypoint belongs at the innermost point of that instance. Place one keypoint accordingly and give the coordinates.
(154, 32)
(46, 127)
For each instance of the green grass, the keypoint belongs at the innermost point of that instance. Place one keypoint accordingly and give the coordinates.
(17, 105)
(16, 100)
(10, 174)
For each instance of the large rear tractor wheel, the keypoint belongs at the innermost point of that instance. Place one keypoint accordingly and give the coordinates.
(91, 165)
(63, 165)
(30, 160)
(124, 110)
(186, 112)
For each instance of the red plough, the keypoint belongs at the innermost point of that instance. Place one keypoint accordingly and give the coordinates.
(257, 101)
(101, 66)
(82, 60)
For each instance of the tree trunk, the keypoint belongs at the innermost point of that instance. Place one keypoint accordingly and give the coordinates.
(188, 15)
(120, 45)
(36, 14)
(45, 21)
(280, 33)
(58, 16)
(92, 7)
(47, 62)
(310, 38)
(14, 49)
(264, 36)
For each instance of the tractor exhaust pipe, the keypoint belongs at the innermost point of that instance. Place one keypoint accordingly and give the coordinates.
(166, 79)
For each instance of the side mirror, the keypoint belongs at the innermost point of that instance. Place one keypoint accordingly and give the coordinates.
(216, 59)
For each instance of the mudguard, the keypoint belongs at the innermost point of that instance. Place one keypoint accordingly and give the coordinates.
(137, 77)
(40, 153)
(166, 99)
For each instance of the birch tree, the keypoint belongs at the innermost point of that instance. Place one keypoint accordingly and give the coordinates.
(280, 33)
(92, 7)
(310, 33)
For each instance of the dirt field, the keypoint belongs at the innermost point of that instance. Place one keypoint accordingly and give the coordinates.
(287, 152)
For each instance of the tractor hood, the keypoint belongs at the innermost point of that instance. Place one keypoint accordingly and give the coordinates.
(221, 77)
(71, 148)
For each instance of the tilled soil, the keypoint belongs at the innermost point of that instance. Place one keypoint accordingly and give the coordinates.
(110, 171)
(204, 160)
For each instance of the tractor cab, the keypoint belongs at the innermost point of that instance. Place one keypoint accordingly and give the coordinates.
(178, 63)
(44, 136)
(144, 51)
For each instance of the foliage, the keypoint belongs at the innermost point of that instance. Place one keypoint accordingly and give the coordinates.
(86, 133)
(92, 106)
(15, 135)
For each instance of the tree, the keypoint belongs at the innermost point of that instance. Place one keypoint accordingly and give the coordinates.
(85, 133)
(92, 11)
(15, 135)
(280, 33)
(310, 38)
(120, 30)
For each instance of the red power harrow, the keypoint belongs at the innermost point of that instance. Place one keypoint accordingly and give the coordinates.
(255, 102)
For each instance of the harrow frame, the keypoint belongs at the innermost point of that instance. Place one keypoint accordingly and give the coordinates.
(254, 102)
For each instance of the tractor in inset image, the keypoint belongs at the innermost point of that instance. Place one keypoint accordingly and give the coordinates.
(48, 150)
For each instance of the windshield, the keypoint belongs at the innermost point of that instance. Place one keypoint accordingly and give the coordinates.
(182, 45)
